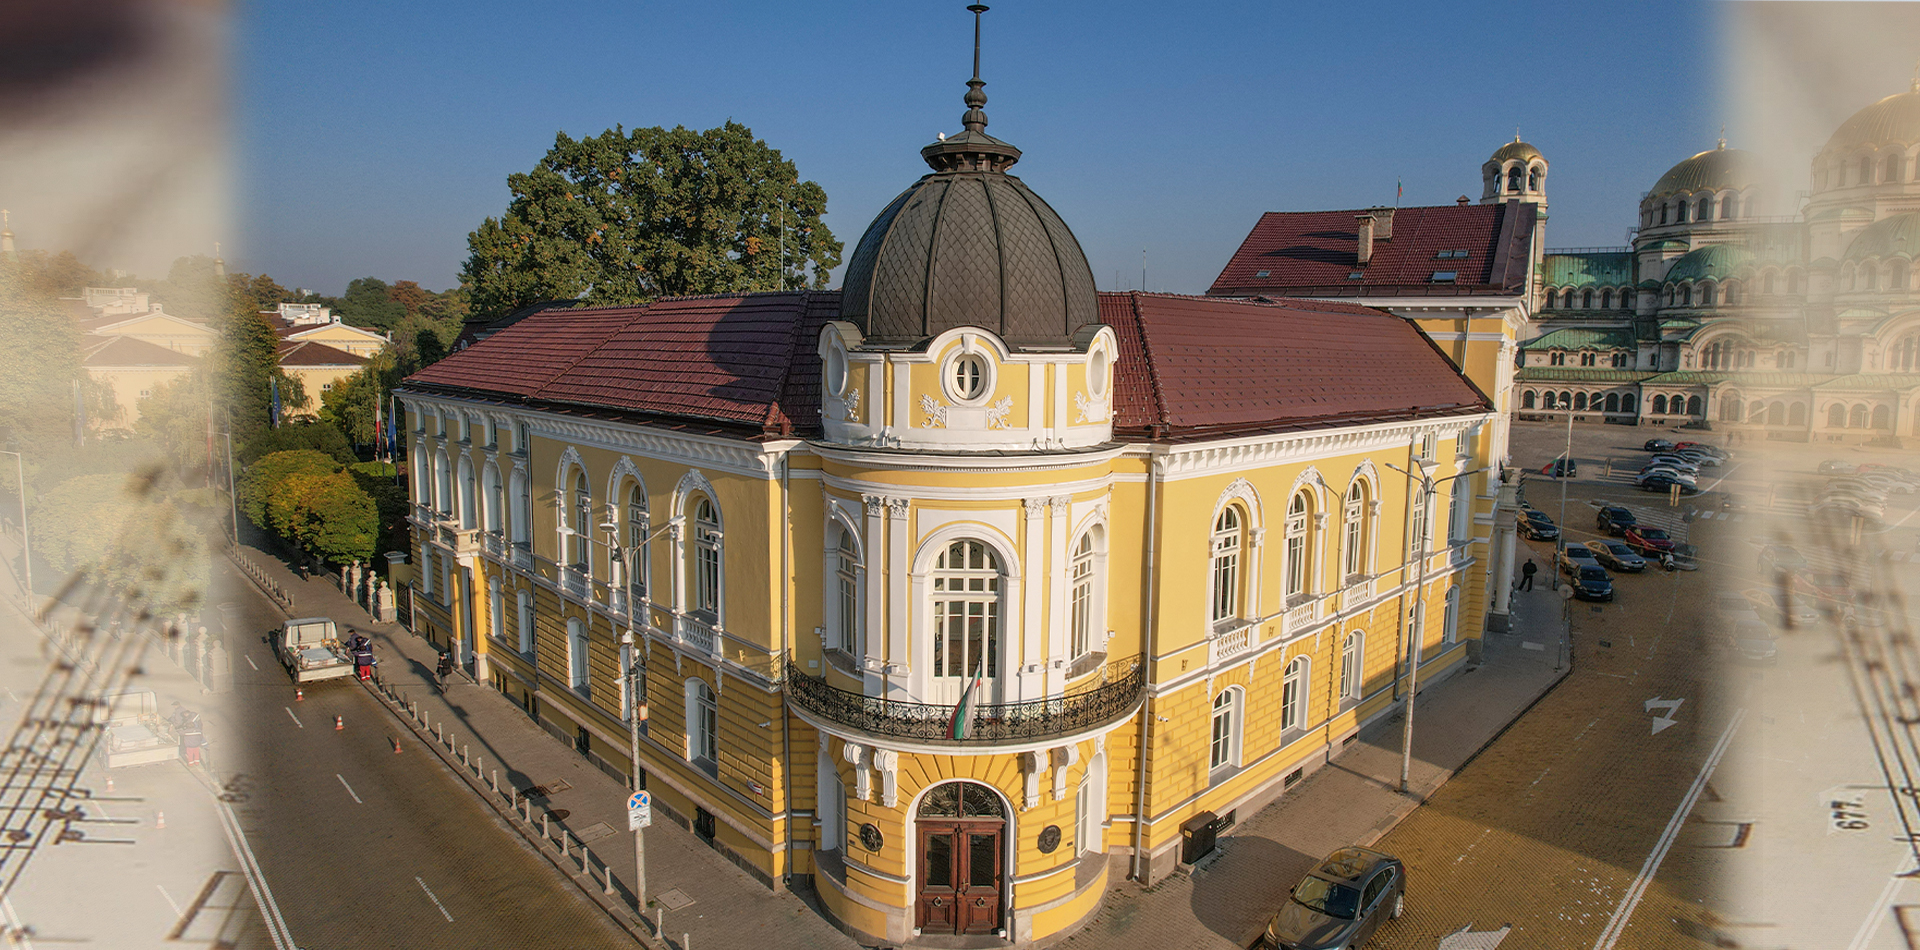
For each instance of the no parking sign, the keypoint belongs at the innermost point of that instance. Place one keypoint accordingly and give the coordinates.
(639, 811)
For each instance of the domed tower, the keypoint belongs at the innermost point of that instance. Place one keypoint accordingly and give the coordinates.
(1517, 170)
(1705, 199)
(1866, 172)
(978, 296)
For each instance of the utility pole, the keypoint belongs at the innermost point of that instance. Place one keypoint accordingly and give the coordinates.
(637, 706)
(1563, 468)
(26, 551)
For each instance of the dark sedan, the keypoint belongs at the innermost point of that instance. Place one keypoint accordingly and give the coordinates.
(1593, 583)
(1340, 903)
(1666, 483)
(1659, 445)
(1649, 541)
(1535, 525)
(1617, 555)
(1614, 520)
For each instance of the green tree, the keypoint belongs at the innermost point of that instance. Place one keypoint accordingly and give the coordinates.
(264, 478)
(127, 532)
(623, 217)
(321, 436)
(369, 302)
(37, 393)
(325, 514)
(177, 418)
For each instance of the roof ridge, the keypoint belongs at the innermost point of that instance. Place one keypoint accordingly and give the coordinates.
(1160, 414)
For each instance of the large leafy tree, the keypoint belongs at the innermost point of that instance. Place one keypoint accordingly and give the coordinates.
(325, 514)
(130, 531)
(37, 387)
(266, 477)
(623, 217)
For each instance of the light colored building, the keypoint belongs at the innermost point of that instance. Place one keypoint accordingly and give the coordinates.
(298, 322)
(318, 367)
(963, 589)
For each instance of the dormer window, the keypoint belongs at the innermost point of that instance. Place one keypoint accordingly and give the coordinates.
(1445, 276)
(1263, 273)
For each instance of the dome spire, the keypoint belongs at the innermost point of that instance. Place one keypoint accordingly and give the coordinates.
(1723, 135)
(975, 118)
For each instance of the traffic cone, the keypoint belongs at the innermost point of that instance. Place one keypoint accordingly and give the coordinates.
(109, 784)
(396, 744)
(159, 819)
(299, 694)
(337, 724)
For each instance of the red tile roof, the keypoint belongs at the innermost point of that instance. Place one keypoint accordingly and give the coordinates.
(745, 361)
(310, 353)
(130, 351)
(1202, 367)
(1189, 367)
(1311, 253)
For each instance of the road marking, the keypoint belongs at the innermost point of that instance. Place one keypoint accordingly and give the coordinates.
(256, 666)
(290, 715)
(435, 900)
(1475, 844)
(349, 788)
(11, 696)
(1617, 924)
(1871, 926)
(256, 878)
(170, 901)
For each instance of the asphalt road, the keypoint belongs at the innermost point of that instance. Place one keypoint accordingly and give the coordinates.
(1578, 827)
(363, 847)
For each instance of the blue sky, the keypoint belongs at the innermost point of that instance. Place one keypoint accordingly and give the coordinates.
(374, 136)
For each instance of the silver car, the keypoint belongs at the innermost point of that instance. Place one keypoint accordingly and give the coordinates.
(1340, 903)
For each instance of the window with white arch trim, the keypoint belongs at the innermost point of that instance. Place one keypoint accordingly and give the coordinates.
(1299, 561)
(1450, 627)
(967, 585)
(1080, 615)
(707, 577)
(638, 566)
(845, 625)
(1353, 517)
(1352, 665)
(576, 655)
(703, 725)
(1293, 695)
(1223, 750)
(1229, 528)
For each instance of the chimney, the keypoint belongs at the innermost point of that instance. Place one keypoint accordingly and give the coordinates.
(1383, 224)
(1462, 201)
(1366, 236)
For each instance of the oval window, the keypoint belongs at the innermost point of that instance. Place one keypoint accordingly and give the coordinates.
(967, 377)
(836, 372)
(1098, 366)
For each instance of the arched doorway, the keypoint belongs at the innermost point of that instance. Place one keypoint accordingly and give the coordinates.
(960, 834)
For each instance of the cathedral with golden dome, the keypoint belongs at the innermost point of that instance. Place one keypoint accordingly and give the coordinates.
(1741, 307)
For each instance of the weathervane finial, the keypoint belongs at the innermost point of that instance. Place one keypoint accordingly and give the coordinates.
(975, 118)
(1723, 135)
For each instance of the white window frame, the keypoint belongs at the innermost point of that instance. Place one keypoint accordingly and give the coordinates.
(1450, 627)
(1299, 578)
(846, 626)
(1353, 660)
(1223, 746)
(1082, 611)
(1418, 525)
(497, 612)
(578, 671)
(703, 724)
(1295, 693)
(1225, 577)
(1354, 536)
(639, 561)
(579, 518)
(974, 592)
(709, 562)
(524, 605)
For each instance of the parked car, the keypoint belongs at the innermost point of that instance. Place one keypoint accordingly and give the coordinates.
(1685, 557)
(1664, 471)
(1592, 583)
(1837, 467)
(1864, 491)
(1614, 520)
(1649, 541)
(1892, 484)
(1340, 903)
(1663, 482)
(1864, 612)
(1710, 449)
(1782, 558)
(1700, 458)
(1732, 502)
(1562, 468)
(1658, 445)
(1576, 557)
(1783, 609)
(1751, 642)
(1677, 462)
(1617, 555)
(1535, 525)
(1827, 586)
(1731, 605)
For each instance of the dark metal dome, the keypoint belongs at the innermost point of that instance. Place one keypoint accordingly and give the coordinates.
(969, 246)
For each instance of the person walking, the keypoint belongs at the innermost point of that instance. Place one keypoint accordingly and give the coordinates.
(192, 737)
(445, 669)
(361, 650)
(1527, 571)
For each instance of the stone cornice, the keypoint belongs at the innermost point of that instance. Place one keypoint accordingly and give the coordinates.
(755, 460)
(1192, 461)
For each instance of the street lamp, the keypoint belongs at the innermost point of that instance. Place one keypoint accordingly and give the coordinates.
(636, 704)
(1427, 485)
(26, 551)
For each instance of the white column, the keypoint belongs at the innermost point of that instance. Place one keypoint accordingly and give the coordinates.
(1031, 682)
(1061, 509)
(899, 582)
(877, 593)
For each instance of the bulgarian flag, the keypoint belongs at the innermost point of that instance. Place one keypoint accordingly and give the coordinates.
(969, 701)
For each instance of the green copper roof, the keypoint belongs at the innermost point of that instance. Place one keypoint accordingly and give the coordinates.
(1578, 374)
(1714, 262)
(1760, 380)
(1581, 338)
(1595, 269)
(1898, 235)
(1869, 382)
(1712, 169)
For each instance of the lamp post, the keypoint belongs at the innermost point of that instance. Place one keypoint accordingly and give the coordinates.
(26, 552)
(636, 703)
(1427, 485)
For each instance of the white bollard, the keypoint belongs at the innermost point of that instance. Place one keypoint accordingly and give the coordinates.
(609, 889)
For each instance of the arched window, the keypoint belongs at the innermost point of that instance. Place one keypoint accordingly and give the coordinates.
(1706, 295)
(1686, 295)
(703, 725)
(1586, 300)
(1897, 273)
(1680, 212)
(1299, 566)
(442, 484)
(1227, 530)
(1659, 405)
(1293, 695)
(1857, 419)
(1613, 402)
(1533, 178)
(707, 575)
(1891, 171)
(1705, 212)
(1866, 169)
(1606, 299)
(1354, 520)
(1905, 355)
(1766, 282)
(1553, 299)
(576, 654)
(1528, 400)
(1081, 612)
(523, 600)
(1663, 214)
(1552, 400)
(1848, 277)
(1418, 526)
(1836, 416)
(1557, 358)
(1730, 408)
(1730, 208)
(1579, 401)
(967, 581)
(421, 477)
(639, 564)
(1513, 179)
(581, 550)
(1224, 749)
(520, 519)
(497, 613)
(1626, 402)
(1757, 413)
(1566, 399)
(1796, 414)
(1882, 417)
(1694, 406)
(1869, 277)
(1352, 670)
(848, 617)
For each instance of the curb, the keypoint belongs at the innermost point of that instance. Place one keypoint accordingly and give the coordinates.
(617, 912)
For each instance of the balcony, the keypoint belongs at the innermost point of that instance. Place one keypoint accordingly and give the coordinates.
(574, 581)
(695, 634)
(1226, 646)
(522, 556)
(1304, 615)
(1104, 700)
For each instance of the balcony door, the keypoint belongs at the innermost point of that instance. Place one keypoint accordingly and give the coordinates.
(960, 836)
(967, 585)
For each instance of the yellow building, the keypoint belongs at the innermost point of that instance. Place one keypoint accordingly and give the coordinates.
(963, 589)
(318, 367)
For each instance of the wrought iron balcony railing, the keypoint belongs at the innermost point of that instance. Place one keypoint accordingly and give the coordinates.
(1101, 701)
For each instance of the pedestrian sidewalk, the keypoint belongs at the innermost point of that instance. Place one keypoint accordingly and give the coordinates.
(1354, 799)
(725, 907)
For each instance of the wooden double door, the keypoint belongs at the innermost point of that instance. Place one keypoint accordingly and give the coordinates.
(962, 873)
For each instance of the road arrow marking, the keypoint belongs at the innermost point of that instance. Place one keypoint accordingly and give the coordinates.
(1665, 719)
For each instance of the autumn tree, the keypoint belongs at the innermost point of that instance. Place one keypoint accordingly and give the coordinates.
(623, 217)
